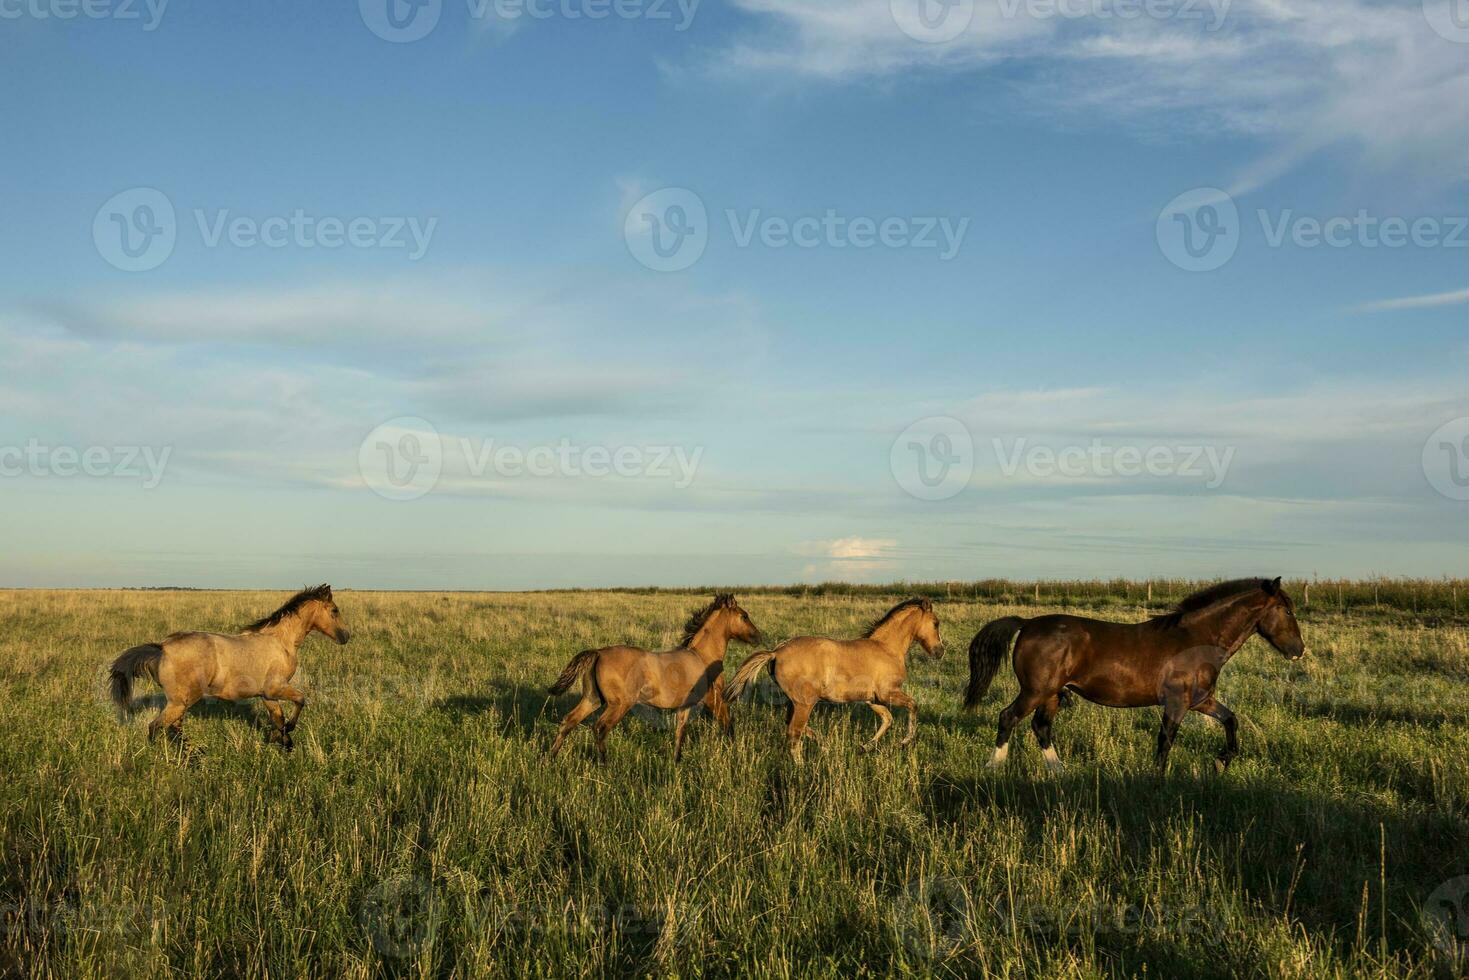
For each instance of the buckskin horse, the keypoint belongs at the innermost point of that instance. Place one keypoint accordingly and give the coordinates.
(870, 669)
(259, 661)
(1172, 660)
(676, 680)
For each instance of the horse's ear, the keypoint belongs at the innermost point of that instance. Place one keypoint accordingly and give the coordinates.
(1273, 588)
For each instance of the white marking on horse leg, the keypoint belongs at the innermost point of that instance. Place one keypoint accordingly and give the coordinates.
(1053, 761)
(998, 759)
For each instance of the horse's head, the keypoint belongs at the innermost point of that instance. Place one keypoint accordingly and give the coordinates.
(1278, 622)
(736, 621)
(326, 618)
(927, 634)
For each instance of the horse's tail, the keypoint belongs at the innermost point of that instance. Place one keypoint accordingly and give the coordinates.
(747, 673)
(579, 665)
(986, 650)
(130, 664)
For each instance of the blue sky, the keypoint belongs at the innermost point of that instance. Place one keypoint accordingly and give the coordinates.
(245, 381)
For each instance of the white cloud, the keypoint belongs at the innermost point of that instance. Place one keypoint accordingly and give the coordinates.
(1306, 74)
(1426, 301)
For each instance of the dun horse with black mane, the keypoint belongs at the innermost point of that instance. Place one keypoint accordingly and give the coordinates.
(259, 661)
(1172, 660)
(870, 669)
(616, 678)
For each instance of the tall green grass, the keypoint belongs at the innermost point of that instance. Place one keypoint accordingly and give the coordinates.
(417, 829)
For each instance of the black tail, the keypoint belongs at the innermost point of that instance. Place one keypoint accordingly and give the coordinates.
(138, 660)
(579, 665)
(986, 650)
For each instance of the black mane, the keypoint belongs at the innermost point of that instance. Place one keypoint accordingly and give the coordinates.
(701, 616)
(905, 604)
(1208, 597)
(293, 605)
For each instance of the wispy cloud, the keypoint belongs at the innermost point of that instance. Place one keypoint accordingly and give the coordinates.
(1303, 74)
(1423, 302)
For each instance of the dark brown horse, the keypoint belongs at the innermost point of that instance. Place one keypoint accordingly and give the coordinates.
(1172, 660)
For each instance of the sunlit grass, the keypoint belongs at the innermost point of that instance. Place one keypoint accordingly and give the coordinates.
(417, 828)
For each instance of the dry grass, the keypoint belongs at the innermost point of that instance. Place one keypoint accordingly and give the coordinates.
(417, 830)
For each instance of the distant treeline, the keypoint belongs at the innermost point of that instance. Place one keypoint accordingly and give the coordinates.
(1436, 597)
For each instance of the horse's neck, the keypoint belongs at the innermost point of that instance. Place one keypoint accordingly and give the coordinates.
(710, 643)
(291, 632)
(896, 635)
(1231, 623)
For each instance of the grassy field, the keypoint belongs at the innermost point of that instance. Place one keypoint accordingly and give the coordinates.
(417, 829)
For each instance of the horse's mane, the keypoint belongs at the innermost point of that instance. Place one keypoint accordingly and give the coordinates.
(905, 604)
(1208, 597)
(701, 616)
(293, 605)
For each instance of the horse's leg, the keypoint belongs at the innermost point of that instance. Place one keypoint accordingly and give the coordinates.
(901, 699)
(277, 730)
(796, 727)
(719, 707)
(680, 720)
(1225, 717)
(885, 719)
(1174, 708)
(610, 717)
(575, 717)
(285, 692)
(171, 717)
(1015, 712)
(1041, 725)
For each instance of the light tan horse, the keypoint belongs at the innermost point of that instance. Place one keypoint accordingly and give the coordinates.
(870, 669)
(676, 680)
(258, 662)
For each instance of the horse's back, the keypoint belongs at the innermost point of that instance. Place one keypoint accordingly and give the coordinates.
(818, 667)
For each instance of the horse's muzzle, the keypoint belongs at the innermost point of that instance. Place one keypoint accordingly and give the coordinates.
(343, 635)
